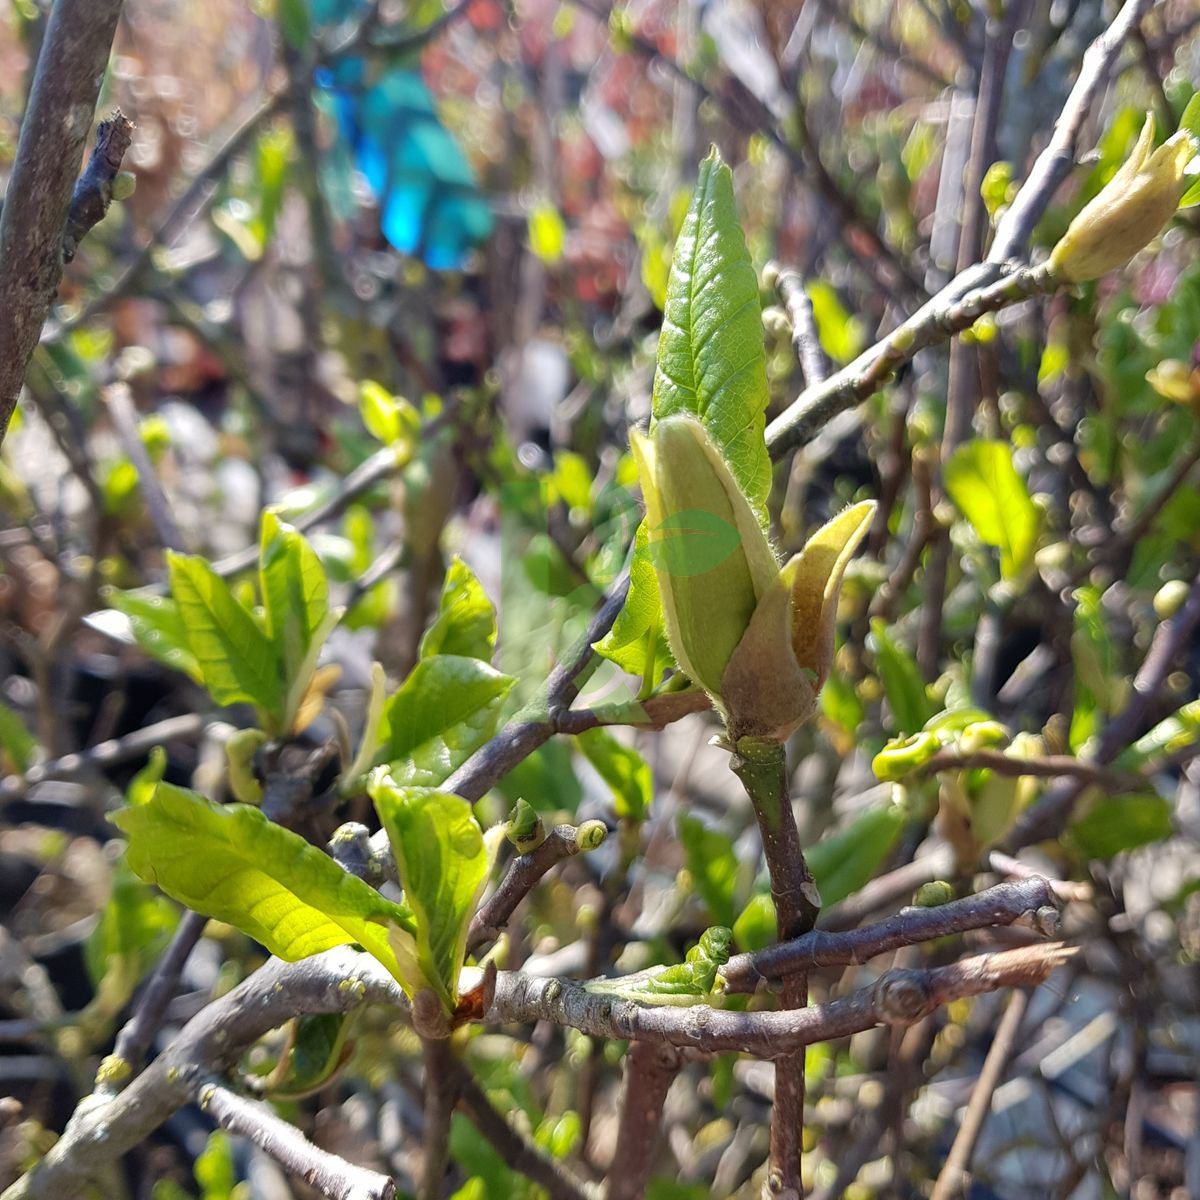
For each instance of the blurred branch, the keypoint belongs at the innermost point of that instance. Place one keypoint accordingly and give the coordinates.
(649, 1072)
(252, 1119)
(38, 201)
(953, 1179)
(1048, 766)
(518, 1153)
(977, 290)
(1031, 900)
(806, 340)
(1172, 640)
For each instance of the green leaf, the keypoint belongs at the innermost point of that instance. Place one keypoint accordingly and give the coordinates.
(755, 928)
(546, 779)
(712, 865)
(237, 661)
(156, 627)
(142, 786)
(443, 864)
(711, 357)
(445, 710)
(232, 863)
(903, 683)
(681, 984)
(294, 590)
(466, 620)
(637, 642)
(841, 334)
(842, 862)
(18, 744)
(316, 1050)
(623, 769)
(1100, 688)
(712, 363)
(983, 482)
(1176, 732)
(1116, 823)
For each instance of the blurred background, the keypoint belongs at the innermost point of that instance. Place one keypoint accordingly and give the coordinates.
(472, 206)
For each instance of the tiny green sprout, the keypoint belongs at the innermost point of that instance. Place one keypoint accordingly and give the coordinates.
(113, 1071)
(981, 735)
(590, 835)
(353, 987)
(933, 894)
(123, 185)
(1169, 598)
(525, 829)
(901, 757)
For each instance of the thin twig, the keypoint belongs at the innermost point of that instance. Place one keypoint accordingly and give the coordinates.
(1030, 900)
(518, 1153)
(806, 339)
(953, 1179)
(57, 120)
(330, 1175)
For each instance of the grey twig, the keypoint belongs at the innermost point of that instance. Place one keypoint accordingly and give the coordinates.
(806, 340)
(330, 1175)
(1026, 899)
(519, 880)
(899, 997)
(57, 120)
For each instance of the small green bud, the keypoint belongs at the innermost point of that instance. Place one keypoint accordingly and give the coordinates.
(590, 835)
(933, 894)
(1169, 598)
(980, 735)
(902, 757)
(525, 829)
(1130, 210)
(113, 1071)
(123, 185)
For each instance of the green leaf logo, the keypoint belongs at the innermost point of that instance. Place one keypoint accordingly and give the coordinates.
(692, 542)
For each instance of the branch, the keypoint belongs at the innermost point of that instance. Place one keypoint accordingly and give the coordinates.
(806, 341)
(519, 880)
(899, 997)
(1048, 766)
(105, 1127)
(818, 404)
(649, 1072)
(66, 83)
(1029, 900)
(518, 1153)
(330, 1175)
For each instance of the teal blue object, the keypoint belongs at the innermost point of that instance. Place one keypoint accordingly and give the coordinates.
(430, 204)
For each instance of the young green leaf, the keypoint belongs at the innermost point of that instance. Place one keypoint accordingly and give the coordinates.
(712, 364)
(711, 357)
(232, 863)
(712, 865)
(623, 769)
(466, 620)
(983, 482)
(842, 862)
(237, 660)
(903, 684)
(686, 983)
(155, 625)
(1117, 823)
(445, 710)
(17, 743)
(295, 592)
(134, 928)
(443, 865)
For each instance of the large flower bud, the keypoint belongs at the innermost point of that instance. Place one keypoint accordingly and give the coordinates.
(758, 639)
(1130, 210)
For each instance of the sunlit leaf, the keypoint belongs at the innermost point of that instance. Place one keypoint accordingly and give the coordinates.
(232, 863)
(623, 769)
(443, 863)
(1116, 823)
(981, 479)
(466, 621)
